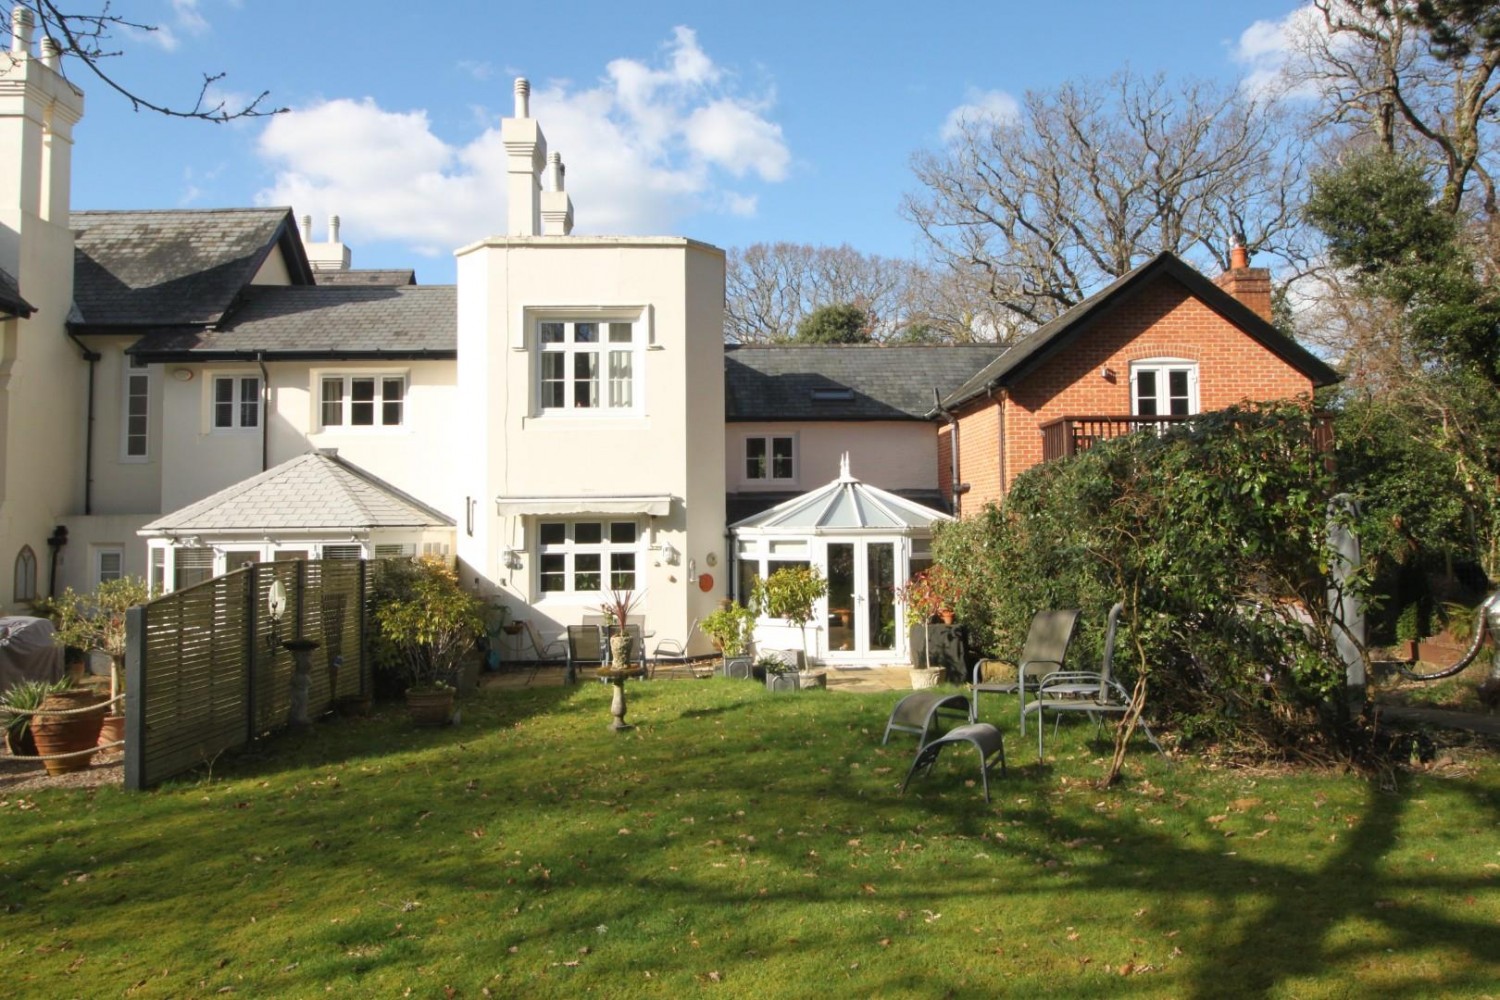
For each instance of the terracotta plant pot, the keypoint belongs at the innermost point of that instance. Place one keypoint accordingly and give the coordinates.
(431, 707)
(112, 731)
(58, 734)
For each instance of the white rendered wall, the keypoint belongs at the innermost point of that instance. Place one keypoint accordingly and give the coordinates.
(890, 454)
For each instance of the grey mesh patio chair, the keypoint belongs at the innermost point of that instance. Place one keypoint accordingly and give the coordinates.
(673, 650)
(1094, 693)
(1046, 650)
(585, 648)
(545, 650)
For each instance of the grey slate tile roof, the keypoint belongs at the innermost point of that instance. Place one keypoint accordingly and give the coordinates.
(1055, 335)
(10, 296)
(168, 268)
(311, 492)
(368, 276)
(321, 321)
(857, 382)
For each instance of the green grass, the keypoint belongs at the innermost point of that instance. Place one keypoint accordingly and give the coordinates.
(742, 844)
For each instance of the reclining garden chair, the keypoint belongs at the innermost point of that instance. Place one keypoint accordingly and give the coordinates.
(586, 647)
(673, 650)
(1095, 693)
(1046, 650)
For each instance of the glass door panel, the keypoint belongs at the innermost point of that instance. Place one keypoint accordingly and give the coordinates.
(841, 579)
(880, 596)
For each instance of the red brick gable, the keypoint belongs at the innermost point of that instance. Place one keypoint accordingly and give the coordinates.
(1000, 436)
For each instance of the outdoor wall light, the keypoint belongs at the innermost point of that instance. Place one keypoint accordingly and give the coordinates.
(1107, 373)
(512, 559)
(669, 555)
(692, 571)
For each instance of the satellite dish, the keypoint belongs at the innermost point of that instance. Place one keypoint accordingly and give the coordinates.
(276, 600)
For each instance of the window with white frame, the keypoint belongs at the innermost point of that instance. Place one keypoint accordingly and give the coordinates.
(135, 421)
(362, 400)
(588, 366)
(1164, 387)
(770, 458)
(587, 556)
(236, 402)
(109, 563)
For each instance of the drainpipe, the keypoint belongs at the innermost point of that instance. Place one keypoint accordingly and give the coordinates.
(265, 410)
(55, 543)
(1000, 439)
(955, 483)
(92, 357)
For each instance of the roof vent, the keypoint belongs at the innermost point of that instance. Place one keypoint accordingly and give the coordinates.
(832, 395)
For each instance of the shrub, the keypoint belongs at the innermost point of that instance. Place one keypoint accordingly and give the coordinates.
(730, 626)
(427, 623)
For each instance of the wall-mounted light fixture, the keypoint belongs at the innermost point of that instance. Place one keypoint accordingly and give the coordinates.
(692, 571)
(512, 559)
(669, 554)
(1107, 373)
(182, 374)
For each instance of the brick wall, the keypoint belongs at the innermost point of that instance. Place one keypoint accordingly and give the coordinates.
(978, 455)
(1161, 320)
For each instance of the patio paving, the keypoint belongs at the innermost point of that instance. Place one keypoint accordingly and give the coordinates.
(839, 678)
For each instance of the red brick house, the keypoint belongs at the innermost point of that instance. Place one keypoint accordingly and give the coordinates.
(1159, 344)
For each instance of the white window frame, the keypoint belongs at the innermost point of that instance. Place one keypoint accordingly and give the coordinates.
(236, 403)
(1162, 367)
(114, 552)
(770, 479)
(608, 353)
(546, 553)
(136, 383)
(346, 402)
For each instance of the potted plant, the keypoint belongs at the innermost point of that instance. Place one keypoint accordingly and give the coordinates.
(924, 601)
(780, 675)
(730, 627)
(430, 623)
(617, 611)
(97, 622)
(792, 593)
(16, 706)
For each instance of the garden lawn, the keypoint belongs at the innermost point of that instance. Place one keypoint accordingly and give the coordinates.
(742, 844)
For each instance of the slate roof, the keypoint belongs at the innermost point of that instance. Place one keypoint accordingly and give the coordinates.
(1050, 338)
(174, 268)
(322, 321)
(313, 492)
(367, 276)
(844, 382)
(10, 296)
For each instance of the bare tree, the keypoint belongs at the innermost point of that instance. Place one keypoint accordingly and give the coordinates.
(771, 287)
(1094, 178)
(1414, 77)
(88, 38)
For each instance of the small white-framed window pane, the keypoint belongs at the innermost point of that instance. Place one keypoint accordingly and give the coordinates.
(346, 552)
(137, 401)
(552, 333)
(586, 380)
(755, 458)
(553, 573)
(111, 565)
(621, 333)
(622, 570)
(250, 402)
(1178, 397)
(621, 379)
(333, 402)
(554, 380)
(1145, 383)
(190, 566)
(622, 532)
(392, 399)
(361, 402)
(585, 333)
(552, 532)
(158, 571)
(586, 574)
(588, 532)
(781, 458)
(223, 402)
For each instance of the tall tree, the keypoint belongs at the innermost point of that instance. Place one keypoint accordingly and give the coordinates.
(771, 287)
(1092, 179)
(1416, 77)
(85, 37)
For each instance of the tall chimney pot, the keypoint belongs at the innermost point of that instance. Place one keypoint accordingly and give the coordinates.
(1239, 257)
(21, 23)
(333, 229)
(523, 97)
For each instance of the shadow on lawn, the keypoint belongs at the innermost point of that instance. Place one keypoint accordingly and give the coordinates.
(551, 826)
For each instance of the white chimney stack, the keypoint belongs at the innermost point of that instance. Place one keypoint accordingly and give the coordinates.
(526, 157)
(330, 256)
(21, 23)
(333, 229)
(556, 206)
(51, 53)
(307, 233)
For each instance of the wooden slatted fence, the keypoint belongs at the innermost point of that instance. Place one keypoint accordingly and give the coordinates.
(205, 670)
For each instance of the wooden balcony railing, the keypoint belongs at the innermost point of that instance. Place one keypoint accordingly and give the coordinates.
(1067, 436)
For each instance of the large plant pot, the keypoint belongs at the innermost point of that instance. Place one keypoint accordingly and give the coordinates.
(59, 734)
(807, 680)
(737, 667)
(112, 731)
(619, 652)
(782, 682)
(922, 677)
(430, 707)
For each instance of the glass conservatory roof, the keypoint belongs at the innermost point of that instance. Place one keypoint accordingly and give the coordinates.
(844, 505)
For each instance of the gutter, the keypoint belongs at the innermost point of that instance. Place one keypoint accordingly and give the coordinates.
(265, 410)
(955, 484)
(92, 357)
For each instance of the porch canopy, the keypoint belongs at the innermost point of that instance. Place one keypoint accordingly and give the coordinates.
(865, 541)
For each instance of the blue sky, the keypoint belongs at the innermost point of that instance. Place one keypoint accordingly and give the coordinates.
(729, 122)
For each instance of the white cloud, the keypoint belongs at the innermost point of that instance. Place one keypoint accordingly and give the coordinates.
(476, 69)
(186, 18)
(980, 105)
(1269, 49)
(645, 146)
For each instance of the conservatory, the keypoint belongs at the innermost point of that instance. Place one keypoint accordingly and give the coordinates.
(866, 542)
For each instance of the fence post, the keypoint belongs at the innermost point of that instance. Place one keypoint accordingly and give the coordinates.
(135, 698)
(364, 638)
(252, 606)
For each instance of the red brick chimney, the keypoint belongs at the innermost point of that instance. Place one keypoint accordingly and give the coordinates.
(1251, 285)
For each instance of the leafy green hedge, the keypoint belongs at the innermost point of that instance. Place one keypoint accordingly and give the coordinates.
(1213, 535)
